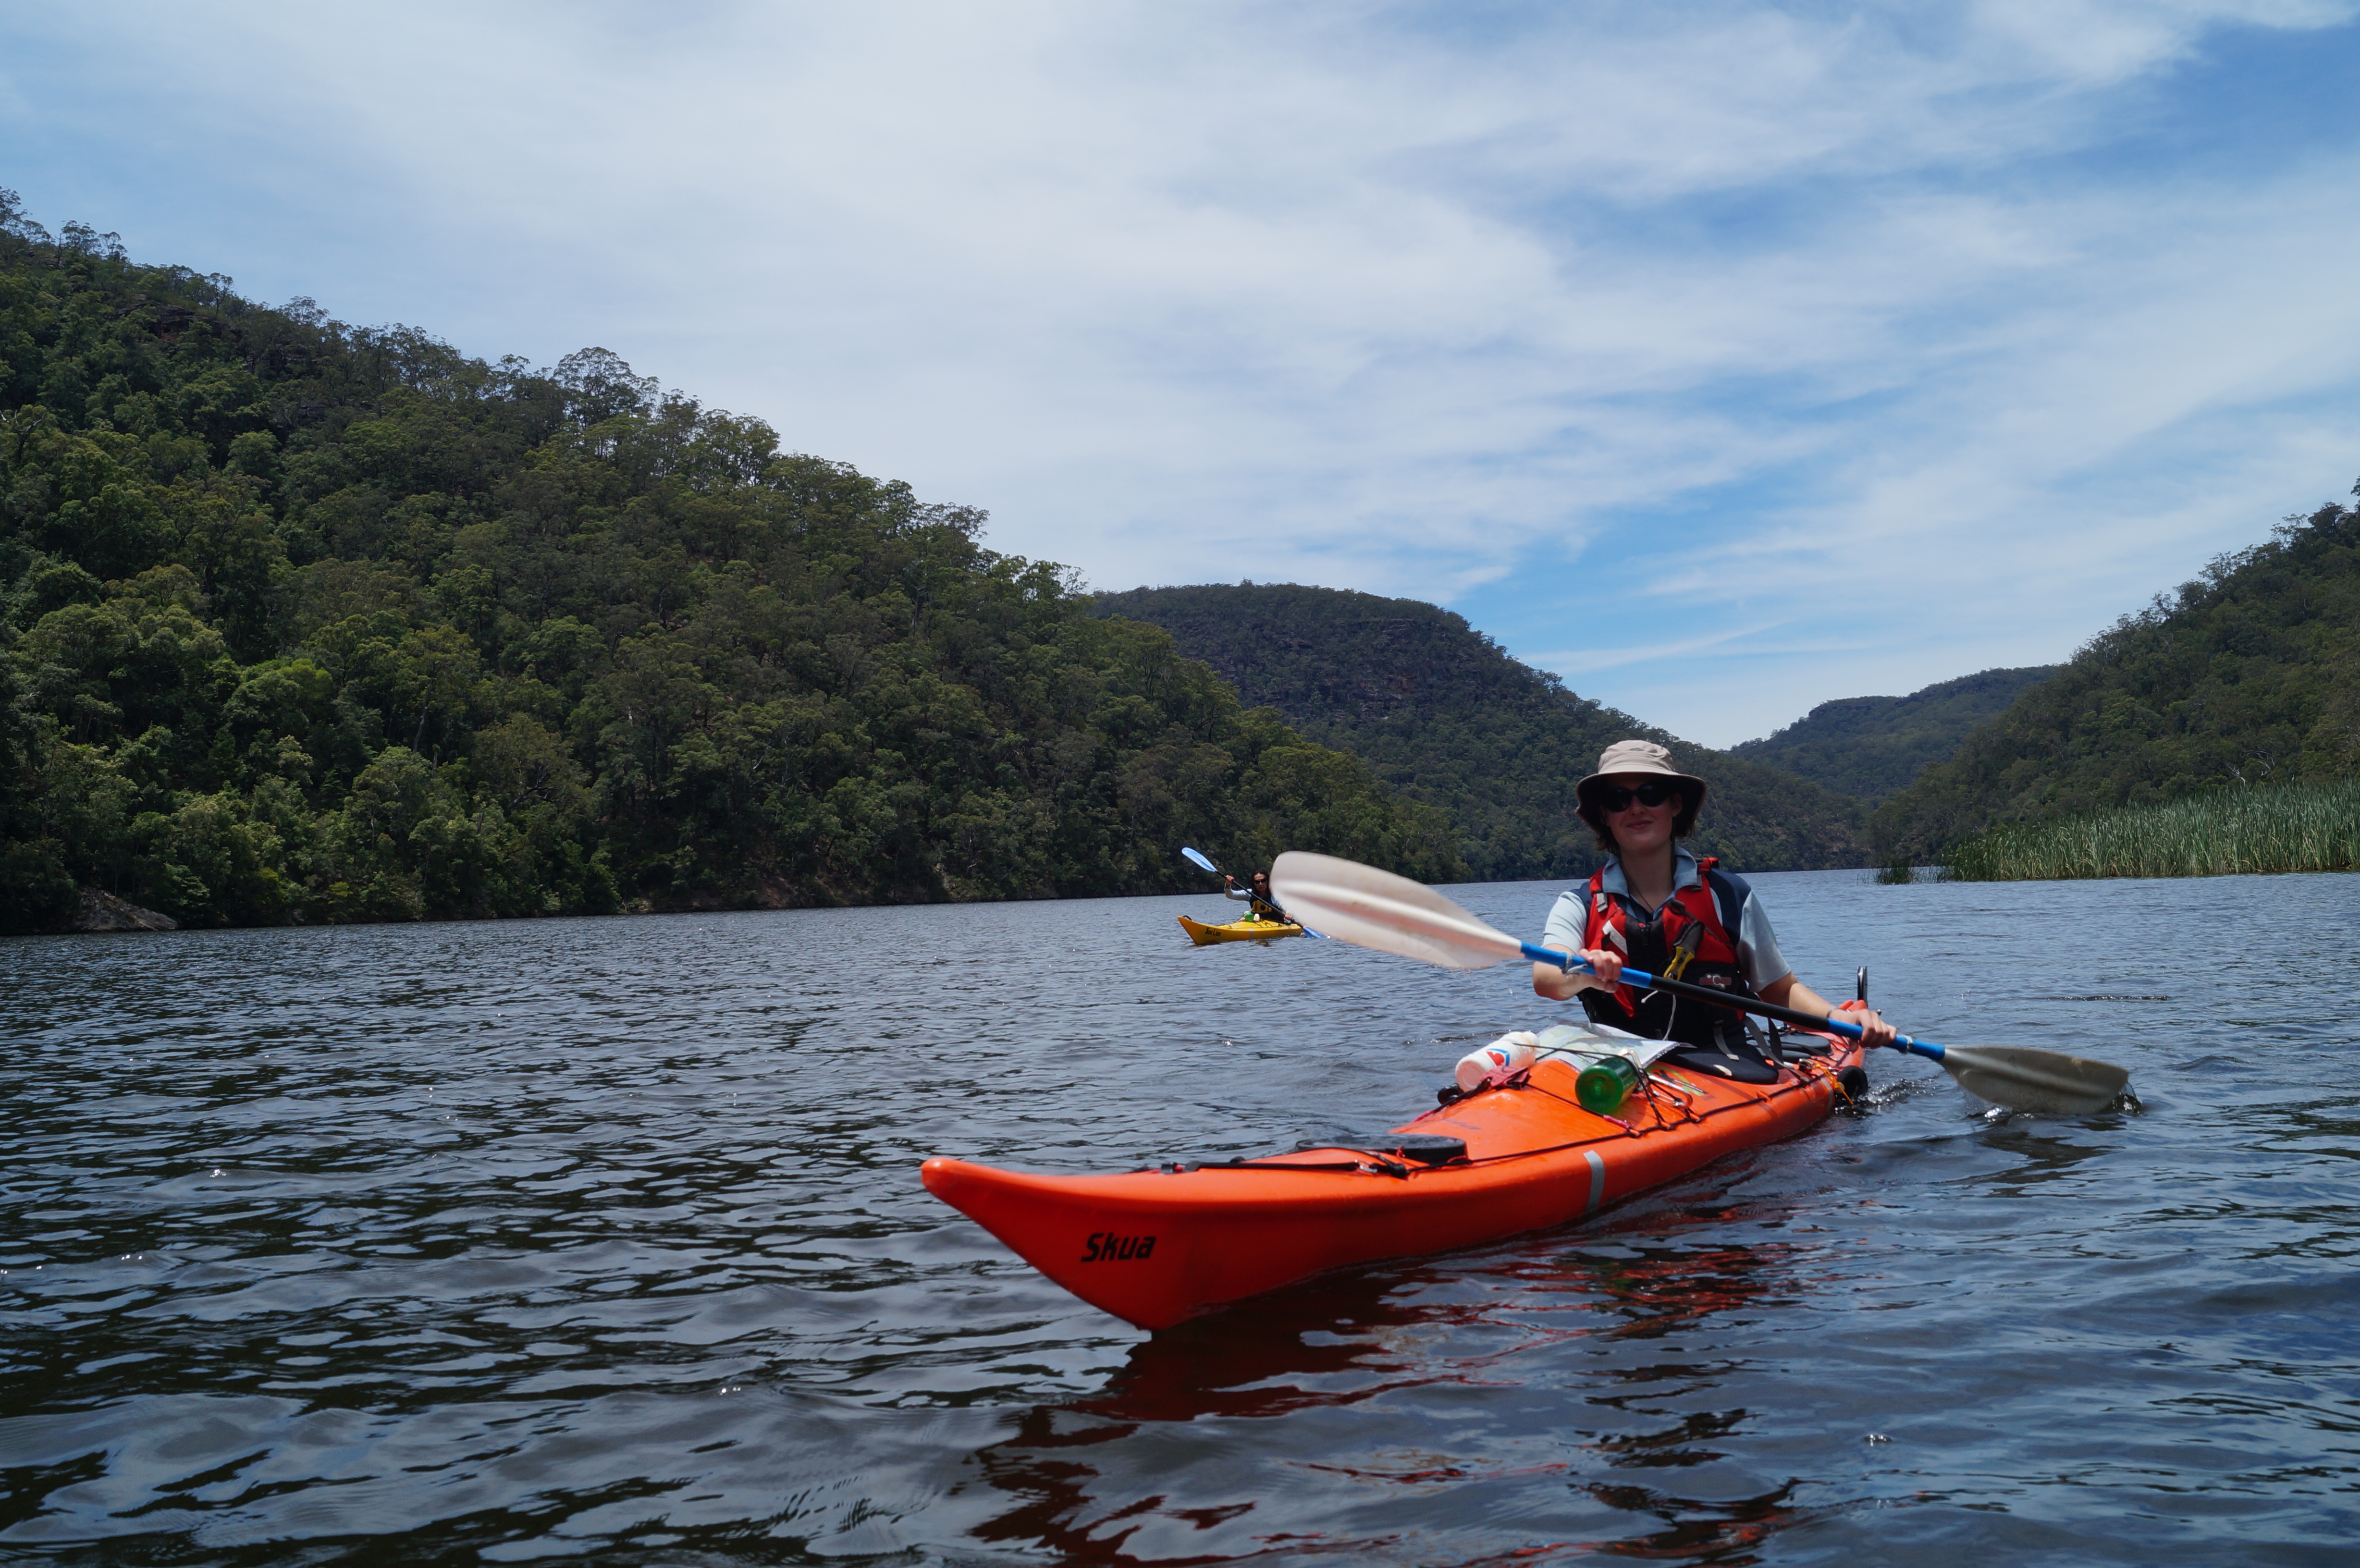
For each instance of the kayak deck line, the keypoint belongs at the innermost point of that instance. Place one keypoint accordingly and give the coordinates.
(1375, 1161)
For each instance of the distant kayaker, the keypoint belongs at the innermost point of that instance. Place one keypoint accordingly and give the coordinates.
(1257, 899)
(1662, 911)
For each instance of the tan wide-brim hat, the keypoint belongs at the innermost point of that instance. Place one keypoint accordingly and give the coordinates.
(1638, 757)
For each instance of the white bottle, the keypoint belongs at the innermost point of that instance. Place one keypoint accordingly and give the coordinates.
(1498, 1061)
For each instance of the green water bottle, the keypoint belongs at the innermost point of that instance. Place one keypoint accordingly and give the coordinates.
(1604, 1086)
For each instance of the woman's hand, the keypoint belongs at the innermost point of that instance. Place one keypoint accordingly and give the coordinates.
(1563, 985)
(1873, 1030)
(1789, 992)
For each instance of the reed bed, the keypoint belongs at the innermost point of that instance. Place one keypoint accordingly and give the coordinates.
(2313, 827)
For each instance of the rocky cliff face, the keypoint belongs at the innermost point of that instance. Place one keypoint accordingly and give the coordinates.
(102, 912)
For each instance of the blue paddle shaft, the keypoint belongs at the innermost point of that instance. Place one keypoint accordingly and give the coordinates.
(1646, 982)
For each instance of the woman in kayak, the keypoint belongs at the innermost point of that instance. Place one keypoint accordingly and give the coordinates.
(1660, 910)
(1258, 901)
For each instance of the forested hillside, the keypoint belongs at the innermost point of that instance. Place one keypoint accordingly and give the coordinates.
(2247, 676)
(1870, 747)
(1439, 712)
(301, 621)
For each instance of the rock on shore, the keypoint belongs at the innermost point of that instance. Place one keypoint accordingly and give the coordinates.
(102, 912)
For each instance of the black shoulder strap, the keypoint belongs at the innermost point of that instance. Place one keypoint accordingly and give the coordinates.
(1728, 894)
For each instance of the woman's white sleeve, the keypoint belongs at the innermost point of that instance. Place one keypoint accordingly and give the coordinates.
(1567, 918)
(1757, 946)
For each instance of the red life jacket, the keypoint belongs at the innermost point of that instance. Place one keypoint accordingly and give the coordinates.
(1696, 920)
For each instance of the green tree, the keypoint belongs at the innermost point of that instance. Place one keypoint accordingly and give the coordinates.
(1447, 719)
(2244, 678)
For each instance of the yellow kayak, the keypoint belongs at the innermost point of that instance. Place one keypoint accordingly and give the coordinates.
(1237, 931)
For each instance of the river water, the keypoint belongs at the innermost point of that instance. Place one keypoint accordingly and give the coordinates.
(604, 1239)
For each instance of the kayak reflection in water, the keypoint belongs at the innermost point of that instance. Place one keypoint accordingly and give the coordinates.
(1257, 897)
(1660, 910)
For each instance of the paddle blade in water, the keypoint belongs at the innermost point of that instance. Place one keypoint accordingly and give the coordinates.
(1370, 908)
(1197, 860)
(2028, 1079)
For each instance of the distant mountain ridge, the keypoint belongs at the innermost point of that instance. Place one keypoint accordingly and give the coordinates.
(1440, 712)
(1871, 747)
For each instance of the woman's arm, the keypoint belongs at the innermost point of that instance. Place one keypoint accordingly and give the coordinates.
(1563, 985)
(1562, 932)
(1789, 992)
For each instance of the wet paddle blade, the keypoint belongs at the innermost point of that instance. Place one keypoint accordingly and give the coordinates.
(2024, 1079)
(1370, 908)
(1199, 861)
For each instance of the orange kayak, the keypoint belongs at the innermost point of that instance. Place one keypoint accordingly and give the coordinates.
(1160, 1245)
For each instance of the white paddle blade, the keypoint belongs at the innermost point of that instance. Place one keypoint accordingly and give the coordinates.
(2024, 1079)
(1370, 908)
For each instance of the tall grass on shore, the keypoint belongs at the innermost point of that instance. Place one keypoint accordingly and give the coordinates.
(2310, 827)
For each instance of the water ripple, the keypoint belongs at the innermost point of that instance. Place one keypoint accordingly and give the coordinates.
(603, 1239)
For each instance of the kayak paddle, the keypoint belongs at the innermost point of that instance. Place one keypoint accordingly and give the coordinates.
(1361, 904)
(1198, 860)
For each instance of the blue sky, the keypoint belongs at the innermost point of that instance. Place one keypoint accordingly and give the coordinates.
(1723, 358)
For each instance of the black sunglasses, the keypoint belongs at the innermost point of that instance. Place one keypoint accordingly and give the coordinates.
(1618, 798)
